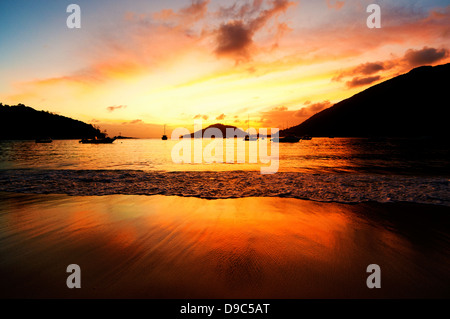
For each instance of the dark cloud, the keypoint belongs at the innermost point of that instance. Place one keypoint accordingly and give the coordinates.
(370, 68)
(365, 73)
(235, 37)
(220, 117)
(115, 107)
(358, 81)
(365, 69)
(425, 56)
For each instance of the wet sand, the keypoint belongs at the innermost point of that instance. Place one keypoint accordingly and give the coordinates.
(131, 246)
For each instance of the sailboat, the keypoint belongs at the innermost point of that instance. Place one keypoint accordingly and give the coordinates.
(44, 140)
(164, 137)
(249, 137)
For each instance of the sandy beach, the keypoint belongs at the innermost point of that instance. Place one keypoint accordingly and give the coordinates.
(131, 246)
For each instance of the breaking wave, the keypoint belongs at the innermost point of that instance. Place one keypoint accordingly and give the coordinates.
(345, 188)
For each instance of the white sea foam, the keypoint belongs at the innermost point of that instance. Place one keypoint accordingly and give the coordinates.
(345, 188)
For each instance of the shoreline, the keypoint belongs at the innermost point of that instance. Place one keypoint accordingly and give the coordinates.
(322, 187)
(368, 202)
(169, 247)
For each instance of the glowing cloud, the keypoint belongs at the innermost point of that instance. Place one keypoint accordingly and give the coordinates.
(204, 59)
(113, 108)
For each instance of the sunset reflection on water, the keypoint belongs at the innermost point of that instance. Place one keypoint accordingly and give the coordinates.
(319, 155)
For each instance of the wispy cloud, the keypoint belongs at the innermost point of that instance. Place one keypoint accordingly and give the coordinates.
(132, 122)
(365, 69)
(199, 116)
(186, 16)
(335, 4)
(221, 117)
(116, 107)
(369, 72)
(357, 81)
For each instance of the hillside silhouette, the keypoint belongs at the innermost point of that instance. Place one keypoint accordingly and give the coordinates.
(20, 122)
(410, 105)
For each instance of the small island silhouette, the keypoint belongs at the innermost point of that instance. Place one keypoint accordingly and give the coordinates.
(221, 127)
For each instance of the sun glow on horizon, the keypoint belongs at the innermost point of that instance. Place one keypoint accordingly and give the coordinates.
(218, 61)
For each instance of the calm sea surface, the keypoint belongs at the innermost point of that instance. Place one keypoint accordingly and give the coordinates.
(339, 169)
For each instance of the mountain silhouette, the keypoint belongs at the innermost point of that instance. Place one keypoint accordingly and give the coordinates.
(410, 105)
(223, 129)
(20, 122)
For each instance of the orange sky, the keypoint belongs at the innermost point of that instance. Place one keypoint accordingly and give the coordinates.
(133, 69)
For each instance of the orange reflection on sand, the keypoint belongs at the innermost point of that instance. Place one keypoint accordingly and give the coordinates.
(185, 247)
(245, 242)
(262, 224)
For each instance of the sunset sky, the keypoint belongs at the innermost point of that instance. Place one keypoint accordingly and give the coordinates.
(136, 65)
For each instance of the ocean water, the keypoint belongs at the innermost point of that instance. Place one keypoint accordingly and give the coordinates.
(347, 170)
(225, 230)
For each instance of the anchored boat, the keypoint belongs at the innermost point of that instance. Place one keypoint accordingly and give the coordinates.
(105, 140)
(286, 139)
